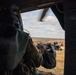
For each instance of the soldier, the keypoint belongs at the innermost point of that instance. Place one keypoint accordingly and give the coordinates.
(31, 59)
(18, 54)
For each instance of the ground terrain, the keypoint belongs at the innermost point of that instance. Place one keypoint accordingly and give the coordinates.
(59, 69)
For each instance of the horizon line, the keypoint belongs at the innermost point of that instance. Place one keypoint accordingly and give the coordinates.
(48, 38)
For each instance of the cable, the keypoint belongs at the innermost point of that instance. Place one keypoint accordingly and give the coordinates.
(58, 7)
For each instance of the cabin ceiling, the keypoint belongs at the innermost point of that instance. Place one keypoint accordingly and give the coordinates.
(28, 5)
(36, 4)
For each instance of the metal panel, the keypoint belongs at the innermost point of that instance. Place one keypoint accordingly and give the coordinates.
(26, 5)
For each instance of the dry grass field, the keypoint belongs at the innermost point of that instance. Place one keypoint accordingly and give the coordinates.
(59, 69)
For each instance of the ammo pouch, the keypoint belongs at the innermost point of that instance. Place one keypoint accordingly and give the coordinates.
(13, 42)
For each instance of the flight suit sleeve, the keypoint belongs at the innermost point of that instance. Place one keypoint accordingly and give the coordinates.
(32, 53)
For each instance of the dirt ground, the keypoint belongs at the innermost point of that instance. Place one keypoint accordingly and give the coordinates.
(59, 69)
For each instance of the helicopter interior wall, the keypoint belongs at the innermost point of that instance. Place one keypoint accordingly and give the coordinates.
(27, 4)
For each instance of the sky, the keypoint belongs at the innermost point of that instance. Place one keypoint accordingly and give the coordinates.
(49, 28)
